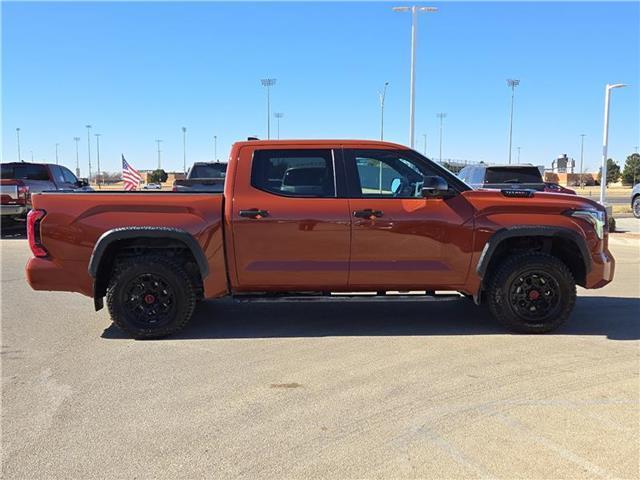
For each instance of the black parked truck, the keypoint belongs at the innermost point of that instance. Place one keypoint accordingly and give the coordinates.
(203, 177)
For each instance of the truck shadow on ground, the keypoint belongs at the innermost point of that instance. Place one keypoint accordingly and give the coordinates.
(614, 318)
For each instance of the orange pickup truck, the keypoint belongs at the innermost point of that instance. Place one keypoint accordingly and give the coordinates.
(315, 217)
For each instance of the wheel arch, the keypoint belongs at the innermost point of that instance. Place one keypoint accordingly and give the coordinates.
(557, 241)
(110, 242)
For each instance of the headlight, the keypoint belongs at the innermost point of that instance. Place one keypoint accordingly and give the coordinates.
(597, 218)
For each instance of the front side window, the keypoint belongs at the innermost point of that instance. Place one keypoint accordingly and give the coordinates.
(387, 173)
(68, 176)
(294, 173)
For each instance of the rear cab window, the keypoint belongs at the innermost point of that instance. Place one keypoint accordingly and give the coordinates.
(27, 171)
(513, 175)
(294, 173)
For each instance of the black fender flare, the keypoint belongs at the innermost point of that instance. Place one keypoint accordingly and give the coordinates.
(531, 231)
(125, 233)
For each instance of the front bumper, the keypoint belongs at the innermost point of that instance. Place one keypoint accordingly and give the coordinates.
(603, 267)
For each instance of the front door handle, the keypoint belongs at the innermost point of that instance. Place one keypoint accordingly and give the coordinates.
(254, 213)
(368, 213)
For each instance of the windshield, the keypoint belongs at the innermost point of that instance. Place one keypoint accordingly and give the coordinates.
(513, 175)
(216, 170)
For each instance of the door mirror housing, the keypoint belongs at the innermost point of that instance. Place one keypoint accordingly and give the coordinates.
(82, 182)
(435, 186)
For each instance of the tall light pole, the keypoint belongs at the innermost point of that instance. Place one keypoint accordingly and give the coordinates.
(184, 149)
(89, 148)
(18, 135)
(268, 83)
(382, 95)
(57, 145)
(605, 139)
(425, 144)
(518, 155)
(158, 141)
(215, 148)
(441, 116)
(582, 135)
(512, 83)
(77, 140)
(278, 116)
(412, 85)
(98, 157)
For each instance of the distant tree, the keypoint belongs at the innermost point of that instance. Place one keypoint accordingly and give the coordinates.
(631, 171)
(158, 176)
(613, 172)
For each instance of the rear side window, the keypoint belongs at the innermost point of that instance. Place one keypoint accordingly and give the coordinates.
(513, 175)
(25, 171)
(294, 173)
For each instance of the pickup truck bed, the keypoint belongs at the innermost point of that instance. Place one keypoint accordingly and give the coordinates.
(301, 217)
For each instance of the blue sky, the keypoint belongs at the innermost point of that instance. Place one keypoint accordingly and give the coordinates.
(141, 71)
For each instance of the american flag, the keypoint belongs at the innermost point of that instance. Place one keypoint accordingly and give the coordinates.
(130, 176)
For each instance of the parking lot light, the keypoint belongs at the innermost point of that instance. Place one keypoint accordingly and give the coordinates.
(605, 139)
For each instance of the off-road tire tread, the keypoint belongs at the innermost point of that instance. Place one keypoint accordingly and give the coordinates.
(121, 268)
(545, 261)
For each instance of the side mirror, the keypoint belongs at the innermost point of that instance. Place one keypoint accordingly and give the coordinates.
(434, 186)
(83, 182)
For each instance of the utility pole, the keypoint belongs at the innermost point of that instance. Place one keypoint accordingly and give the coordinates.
(412, 81)
(89, 149)
(57, 145)
(605, 139)
(268, 83)
(77, 140)
(184, 149)
(278, 116)
(18, 135)
(98, 178)
(512, 83)
(382, 95)
(159, 163)
(441, 116)
(582, 135)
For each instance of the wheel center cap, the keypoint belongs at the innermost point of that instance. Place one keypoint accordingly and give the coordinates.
(534, 295)
(149, 299)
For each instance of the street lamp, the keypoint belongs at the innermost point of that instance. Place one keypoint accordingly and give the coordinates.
(77, 140)
(184, 149)
(268, 83)
(159, 164)
(605, 139)
(278, 115)
(89, 148)
(412, 90)
(441, 116)
(512, 83)
(98, 157)
(382, 95)
(18, 135)
(582, 135)
(57, 145)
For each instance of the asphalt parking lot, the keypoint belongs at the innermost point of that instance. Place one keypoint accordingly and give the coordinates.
(354, 390)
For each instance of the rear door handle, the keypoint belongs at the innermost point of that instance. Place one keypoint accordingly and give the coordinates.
(368, 213)
(254, 213)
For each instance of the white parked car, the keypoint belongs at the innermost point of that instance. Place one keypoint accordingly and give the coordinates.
(152, 186)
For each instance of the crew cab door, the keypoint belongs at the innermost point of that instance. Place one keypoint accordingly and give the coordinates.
(290, 229)
(401, 240)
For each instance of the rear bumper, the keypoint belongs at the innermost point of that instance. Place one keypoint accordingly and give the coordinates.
(13, 210)
(603, 267)
(47, 274)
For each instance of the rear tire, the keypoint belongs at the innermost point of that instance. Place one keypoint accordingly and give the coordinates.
(150, 297)
(532, 293)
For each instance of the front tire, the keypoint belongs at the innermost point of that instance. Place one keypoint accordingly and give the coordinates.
(150, 297)
(532, 293)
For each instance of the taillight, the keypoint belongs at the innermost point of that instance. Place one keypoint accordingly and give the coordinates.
(23, 194)
(34, 217)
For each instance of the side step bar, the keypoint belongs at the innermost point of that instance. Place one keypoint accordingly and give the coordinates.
(346, 297)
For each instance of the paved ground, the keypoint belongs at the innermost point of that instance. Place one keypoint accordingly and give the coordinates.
(427, 390)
